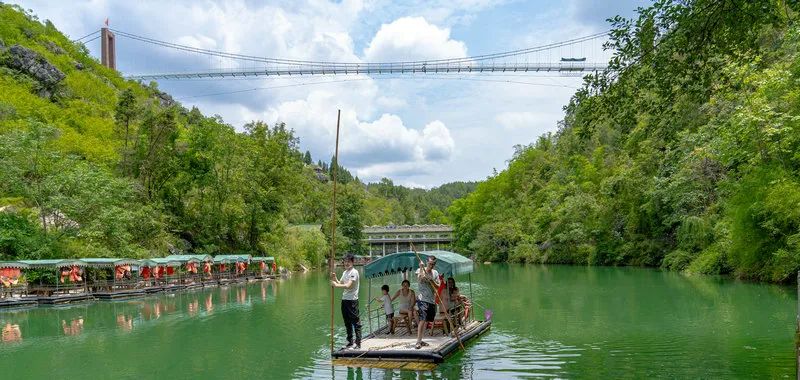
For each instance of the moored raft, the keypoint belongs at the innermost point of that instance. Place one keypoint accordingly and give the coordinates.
(67, 285)
(260, 267)
(384, 350)
(14, 286)
(235, 267)
(194, 274)
(112, 278)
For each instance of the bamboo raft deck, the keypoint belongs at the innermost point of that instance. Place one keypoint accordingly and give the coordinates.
(119, 294)
(383, 350)
(13, 302)
(58, 299)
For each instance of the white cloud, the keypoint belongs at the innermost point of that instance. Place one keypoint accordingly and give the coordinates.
(373, 148)
(515, 120)
(410, 39)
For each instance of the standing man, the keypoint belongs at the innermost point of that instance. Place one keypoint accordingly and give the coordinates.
(349, 282)
(428, 279)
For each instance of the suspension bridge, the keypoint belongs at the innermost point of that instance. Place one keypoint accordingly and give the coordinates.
(558, 57)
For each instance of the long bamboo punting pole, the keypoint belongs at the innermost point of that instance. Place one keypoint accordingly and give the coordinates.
(331, 262)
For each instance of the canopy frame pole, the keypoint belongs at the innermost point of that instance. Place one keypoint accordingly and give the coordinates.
(369, 296)
(331, 263)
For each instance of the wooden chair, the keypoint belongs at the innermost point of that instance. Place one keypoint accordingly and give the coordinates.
(403, 321)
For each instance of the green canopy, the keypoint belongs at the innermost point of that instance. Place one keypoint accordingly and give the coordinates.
(54, 263)
(96, 262)
(188, 258)
(447, 263)
(231, 258)
(13, 264)
(268, 259)
(159, 261)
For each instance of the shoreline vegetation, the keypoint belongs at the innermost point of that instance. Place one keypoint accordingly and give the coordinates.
(684, 156)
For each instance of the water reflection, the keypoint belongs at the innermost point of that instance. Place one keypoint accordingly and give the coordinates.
(241, 295)
(193, 307)
(11, 333)
(125, 322)
(73, 328)
(209, 303)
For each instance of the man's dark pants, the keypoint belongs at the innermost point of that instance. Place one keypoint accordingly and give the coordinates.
(351, 320)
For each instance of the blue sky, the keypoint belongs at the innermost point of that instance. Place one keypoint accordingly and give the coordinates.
(418, 131)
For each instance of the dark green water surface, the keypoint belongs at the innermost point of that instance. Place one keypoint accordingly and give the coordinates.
(549, 321)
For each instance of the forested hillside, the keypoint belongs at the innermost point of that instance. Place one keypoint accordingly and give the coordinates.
(685, 155)
(92, 165)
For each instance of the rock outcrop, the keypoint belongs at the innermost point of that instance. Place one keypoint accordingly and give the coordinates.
(53, 47)
(31, 63)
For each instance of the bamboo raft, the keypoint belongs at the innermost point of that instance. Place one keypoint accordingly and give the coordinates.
(397, 351)
(383, 350)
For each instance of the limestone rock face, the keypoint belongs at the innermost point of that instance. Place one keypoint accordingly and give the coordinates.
(33, 64)
(54, 48)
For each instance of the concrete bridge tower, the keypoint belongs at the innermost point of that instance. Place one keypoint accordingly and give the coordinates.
(108, 50)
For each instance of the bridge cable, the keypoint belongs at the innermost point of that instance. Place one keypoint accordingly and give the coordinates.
(360, 64)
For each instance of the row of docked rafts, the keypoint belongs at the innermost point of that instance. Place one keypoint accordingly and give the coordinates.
(31, 282)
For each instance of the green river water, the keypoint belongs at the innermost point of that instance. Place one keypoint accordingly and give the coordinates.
(549, 321)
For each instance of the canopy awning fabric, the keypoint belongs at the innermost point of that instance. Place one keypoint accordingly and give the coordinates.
(13, 264)
(447, 263)
(162, 261)
(107, 262)
(54, 263)
(221, 259)
(188, 258)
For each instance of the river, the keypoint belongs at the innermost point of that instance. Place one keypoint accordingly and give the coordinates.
(549, 321)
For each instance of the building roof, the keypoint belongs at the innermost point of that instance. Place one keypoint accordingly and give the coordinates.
(447, 263)
(268, 259)
(408, 228)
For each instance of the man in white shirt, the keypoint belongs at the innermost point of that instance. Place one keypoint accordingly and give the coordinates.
(428, 282)
(349, 282)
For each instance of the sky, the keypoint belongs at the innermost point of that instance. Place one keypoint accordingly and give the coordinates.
(418, 130)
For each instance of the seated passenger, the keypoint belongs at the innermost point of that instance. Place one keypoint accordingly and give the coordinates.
(406, 303)
(461, 306)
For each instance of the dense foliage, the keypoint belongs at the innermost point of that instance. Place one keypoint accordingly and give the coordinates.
(93, 165)
(686, 155)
